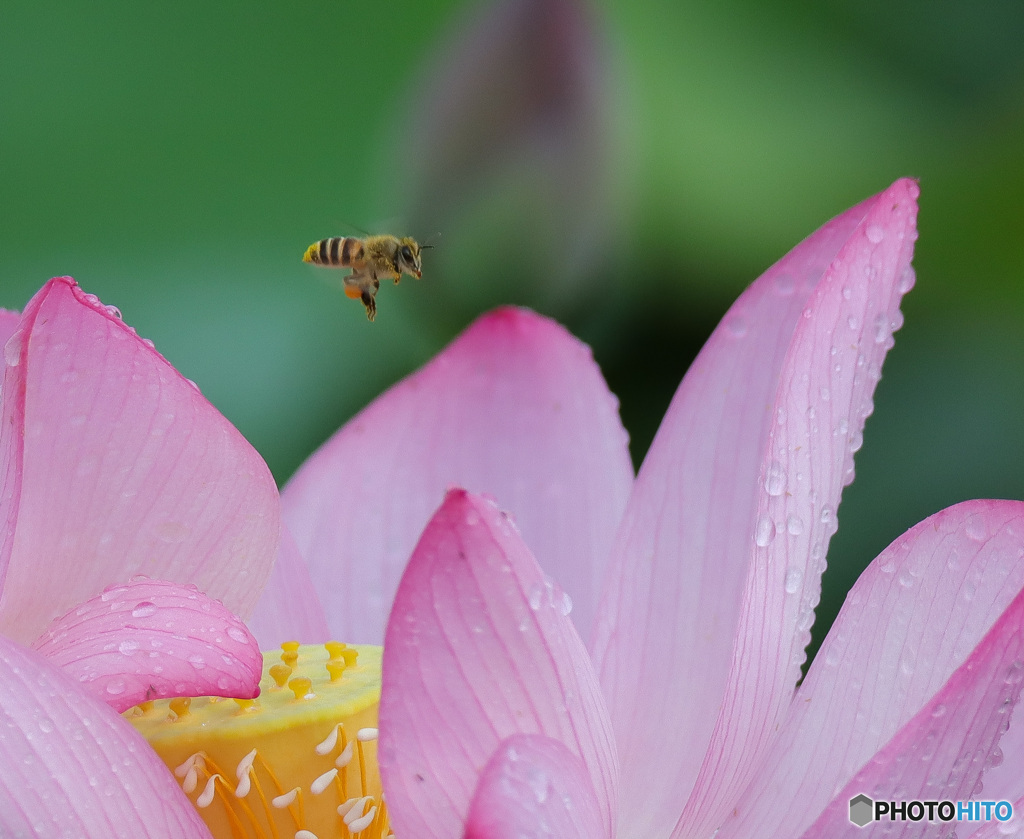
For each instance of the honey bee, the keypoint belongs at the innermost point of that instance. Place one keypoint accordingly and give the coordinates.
(371, 260)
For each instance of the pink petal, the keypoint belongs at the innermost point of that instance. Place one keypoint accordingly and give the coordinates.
(289, 608)
(533, 787)
(70, 766)
(515, 407)
(114, 465)
(912, 619)
(943, 751)
(672, 602)
(8, 324)
(150, 639)
(1005, 781)
(824, 396)
(478, 649)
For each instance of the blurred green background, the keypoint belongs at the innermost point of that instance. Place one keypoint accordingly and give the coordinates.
(625, 166)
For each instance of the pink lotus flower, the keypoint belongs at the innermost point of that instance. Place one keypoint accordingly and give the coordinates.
(680, 718)
(122, 494)
(494, 715)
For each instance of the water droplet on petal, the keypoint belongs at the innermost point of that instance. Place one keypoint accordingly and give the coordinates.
(874, 233)
(764, 532)
(564, 604)
(144, 609)
(236, 634)
(538, 782)
(881, 326)
(12, 349)
(785, 285)
(115, 687)
(172, 531)
(907, 280)
(736, 326)
(794, 579)
(975, 529)
(775, 479)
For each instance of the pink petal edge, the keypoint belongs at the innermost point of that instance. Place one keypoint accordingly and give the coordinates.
(1005, 781)
(942, 753)
(9, 321)
(151, 639)
(114, 465)
(912, 619)
(533, 787)
(673, 595)
(479, 648)
(70, 766)
(824, 395)
(514, 407)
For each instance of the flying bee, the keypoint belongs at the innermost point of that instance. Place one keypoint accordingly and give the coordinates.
(371, 259)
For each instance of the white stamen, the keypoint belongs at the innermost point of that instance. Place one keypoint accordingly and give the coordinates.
(305, 834)
(244, 764)
(191, 781)
(366, 734)
(356, 810)
(357, 825)
(345, 806)
(244, 785)
(324, 781)
(285, 800)
(182, 770)
(328, 743)
(206, 798)
(343, 760)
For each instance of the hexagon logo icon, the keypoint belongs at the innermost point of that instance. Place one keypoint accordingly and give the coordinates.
(861, 810)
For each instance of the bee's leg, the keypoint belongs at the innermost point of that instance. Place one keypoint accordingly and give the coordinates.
(364, 287)
(370, 303)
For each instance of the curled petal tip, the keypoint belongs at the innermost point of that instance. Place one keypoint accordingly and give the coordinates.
(149, 639)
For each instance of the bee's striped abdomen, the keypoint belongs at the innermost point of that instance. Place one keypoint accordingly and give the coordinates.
(338, 251)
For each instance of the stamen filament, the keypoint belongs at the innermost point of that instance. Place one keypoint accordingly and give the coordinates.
(300, 736)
